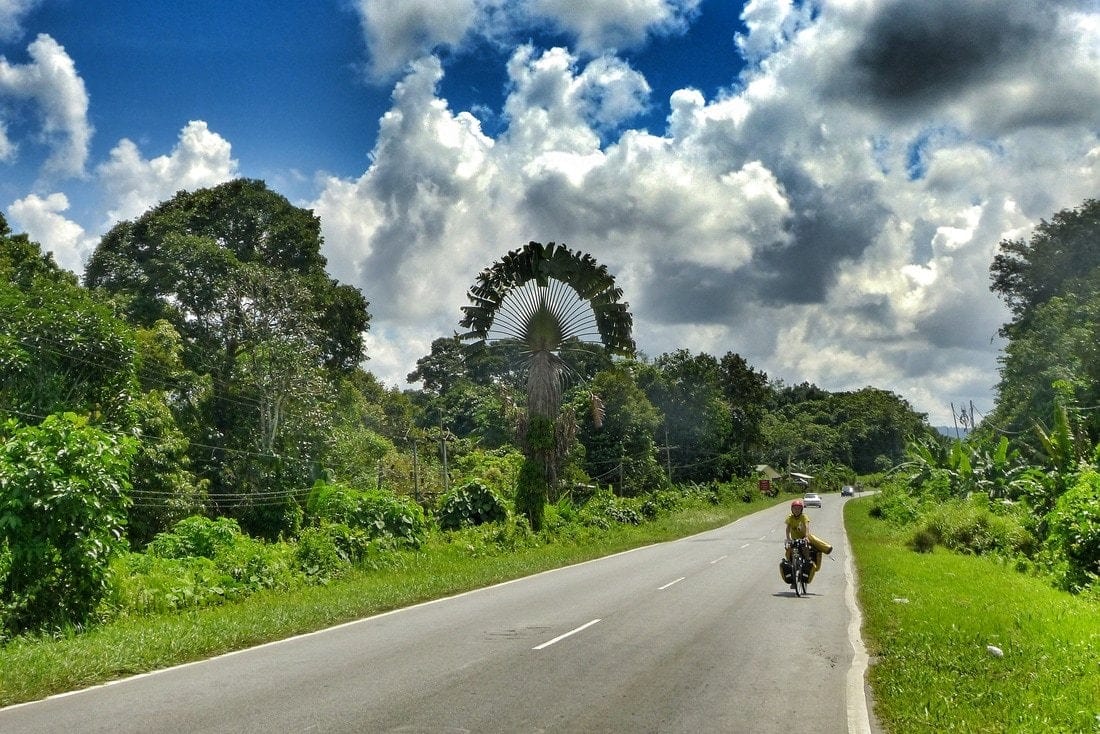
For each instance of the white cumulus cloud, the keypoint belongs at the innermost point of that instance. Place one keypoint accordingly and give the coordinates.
(50, 84)
(399, 31)
(133, 183)
(41, 218)
(11, 17)
(831, 217)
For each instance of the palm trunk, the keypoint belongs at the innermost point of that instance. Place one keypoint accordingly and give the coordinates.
(540, 440)
(544, 385)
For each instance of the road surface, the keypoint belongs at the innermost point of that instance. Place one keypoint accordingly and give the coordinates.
(697, 635)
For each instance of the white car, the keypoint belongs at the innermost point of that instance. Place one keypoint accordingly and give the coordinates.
(810, 499)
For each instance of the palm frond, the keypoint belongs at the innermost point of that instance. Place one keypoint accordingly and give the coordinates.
(544, 295)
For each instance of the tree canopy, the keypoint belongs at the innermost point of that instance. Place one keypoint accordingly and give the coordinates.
(237, 272)
(1059, 258)
(1052, 284)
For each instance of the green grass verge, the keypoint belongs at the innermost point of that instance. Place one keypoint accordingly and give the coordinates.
(35, 667)
(929, 619)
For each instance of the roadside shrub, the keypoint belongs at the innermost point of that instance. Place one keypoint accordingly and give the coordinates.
(63, 506)
(971, 526)
(245, 564)
(941, 486)
(473, 503)
(147, 584)
(509, 536)
(924, 540)
(383, 515)
(662, 500)
(745, 490)
(1073, 542)
(562, 518)
(254, 564)
(711, 493)
(350, 545)
(604, 509)
(894, 504)
(194, 537)
(497, 469)
(317, 555)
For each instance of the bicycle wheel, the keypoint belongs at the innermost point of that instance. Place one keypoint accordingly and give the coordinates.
(796, 574)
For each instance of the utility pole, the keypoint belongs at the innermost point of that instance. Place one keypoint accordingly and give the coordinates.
(622, 462)
(443, 452)
(416, 464)
(668, 455)
(416, 474)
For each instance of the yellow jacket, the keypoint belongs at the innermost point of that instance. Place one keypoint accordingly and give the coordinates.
(799, 525)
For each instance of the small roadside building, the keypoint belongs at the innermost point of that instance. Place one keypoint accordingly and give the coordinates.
(802, 480)
(765, 479)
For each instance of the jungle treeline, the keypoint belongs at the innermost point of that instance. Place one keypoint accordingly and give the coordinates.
(206, 366)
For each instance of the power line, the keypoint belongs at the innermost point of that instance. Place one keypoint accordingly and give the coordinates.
(151, 440)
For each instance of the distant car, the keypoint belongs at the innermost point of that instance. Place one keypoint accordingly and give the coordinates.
(810, 499)
(847, 491)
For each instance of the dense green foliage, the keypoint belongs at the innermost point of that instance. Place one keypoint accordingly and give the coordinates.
(382, 515)
(471, 504)
(621, 451)
(929, 621)
(63, 503)
(60, 349)
(1051, 282)
(975, 499)
(237, 272)
(1026, 484)
(1074, 533)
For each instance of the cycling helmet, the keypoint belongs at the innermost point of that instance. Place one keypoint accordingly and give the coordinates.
(796, 503)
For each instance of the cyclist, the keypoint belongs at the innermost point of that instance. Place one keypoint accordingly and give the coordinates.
(798, 527)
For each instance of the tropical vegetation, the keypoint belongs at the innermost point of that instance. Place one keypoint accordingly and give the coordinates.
(192, 423)
(1025, 484)
(964, 642)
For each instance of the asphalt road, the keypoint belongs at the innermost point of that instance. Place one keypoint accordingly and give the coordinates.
(697, 635)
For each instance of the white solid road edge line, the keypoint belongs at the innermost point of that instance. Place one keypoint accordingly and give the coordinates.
(559, 638)
(858, 718)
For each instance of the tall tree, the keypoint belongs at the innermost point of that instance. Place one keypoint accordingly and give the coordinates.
(238, 272)
(696, 435)
(60, 349)
(1059, 346)
(618, 441)
(545, 299)
(746, 391)
(1060, 255)
(1052, 285)
(865, 430)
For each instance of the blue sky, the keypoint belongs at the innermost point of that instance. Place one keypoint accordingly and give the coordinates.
(290, 84)
(818, 185)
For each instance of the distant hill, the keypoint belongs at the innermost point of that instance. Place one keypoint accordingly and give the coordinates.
(949, 431)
